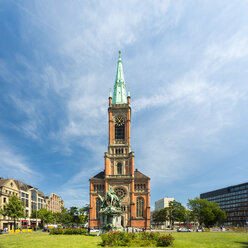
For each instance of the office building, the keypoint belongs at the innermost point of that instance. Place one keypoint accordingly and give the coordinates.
(233, 200)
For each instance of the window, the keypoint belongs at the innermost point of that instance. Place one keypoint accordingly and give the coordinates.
(120, 131)
(26, 202)
(139, 207)
(120, 192)
(119, 168)
(98, 206)
(33, 195)
(4, 199)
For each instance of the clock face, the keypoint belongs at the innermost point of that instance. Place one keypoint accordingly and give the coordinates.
(119, 121)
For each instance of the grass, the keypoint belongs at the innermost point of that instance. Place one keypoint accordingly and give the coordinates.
(183, 240)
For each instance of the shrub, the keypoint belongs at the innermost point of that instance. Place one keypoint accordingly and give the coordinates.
(149, 235)
(68, 231)
(143, 239)
(56, 231)
(116, 239)
(165, 240)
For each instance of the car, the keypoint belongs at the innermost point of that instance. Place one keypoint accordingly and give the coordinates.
(183, 229)
(94, 230)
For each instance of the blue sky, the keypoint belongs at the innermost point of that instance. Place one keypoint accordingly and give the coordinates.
(185, 63)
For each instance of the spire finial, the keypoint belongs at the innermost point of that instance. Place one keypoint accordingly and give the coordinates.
(119, 53)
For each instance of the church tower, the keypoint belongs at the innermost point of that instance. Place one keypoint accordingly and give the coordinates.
(119, 164)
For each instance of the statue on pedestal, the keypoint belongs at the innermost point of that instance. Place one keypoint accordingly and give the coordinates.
(110, 211)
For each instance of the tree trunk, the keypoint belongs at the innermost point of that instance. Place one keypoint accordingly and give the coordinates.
(14, 224)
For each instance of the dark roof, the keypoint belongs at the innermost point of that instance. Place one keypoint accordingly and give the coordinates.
(3, 181)
(40, 193)
(139, 175)
(21, 185)
(100, 175)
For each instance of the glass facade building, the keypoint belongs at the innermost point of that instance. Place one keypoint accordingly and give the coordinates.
(233, 200)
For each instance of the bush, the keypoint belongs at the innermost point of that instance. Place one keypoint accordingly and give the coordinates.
(165, 240)
(136, 239)
(149, 235)
(68, 231)
(56, 231)
(116, 239)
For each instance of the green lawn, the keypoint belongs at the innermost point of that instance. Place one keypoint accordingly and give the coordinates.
(184, 240)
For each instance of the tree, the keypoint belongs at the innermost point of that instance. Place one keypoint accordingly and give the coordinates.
(206, 212)
(65, 217)
(45, 215)
(176, 212)
(159, 216)
(74, 215)
(14, 209)
(220, 216)
(83, 215)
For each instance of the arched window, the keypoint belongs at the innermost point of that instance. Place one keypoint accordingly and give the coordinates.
(119, 128)
(119, 168)
(98, 205)
(140, 207)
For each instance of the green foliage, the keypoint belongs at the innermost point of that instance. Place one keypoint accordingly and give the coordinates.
(72, 217)
(176, 212)
(159, 216)
(65, 217)
(206, 212)
(149, 235)
(165, 240)
(14, 209)
(45, 215)
(136, 239)
(68, 231)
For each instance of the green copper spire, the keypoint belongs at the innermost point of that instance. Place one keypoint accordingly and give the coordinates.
(119, 95)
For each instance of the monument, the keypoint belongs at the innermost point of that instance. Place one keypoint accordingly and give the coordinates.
(110, 211)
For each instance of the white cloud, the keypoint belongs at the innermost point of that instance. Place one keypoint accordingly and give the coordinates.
(14, 165)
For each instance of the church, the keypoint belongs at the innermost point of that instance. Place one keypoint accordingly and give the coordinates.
(119, 170)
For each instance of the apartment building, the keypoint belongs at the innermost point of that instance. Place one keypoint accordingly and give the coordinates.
(33, 199)
(54, 203)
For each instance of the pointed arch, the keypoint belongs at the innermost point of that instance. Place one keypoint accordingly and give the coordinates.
(98, 206)
(140, 207)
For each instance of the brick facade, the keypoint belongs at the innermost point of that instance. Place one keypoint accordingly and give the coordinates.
(120, 174)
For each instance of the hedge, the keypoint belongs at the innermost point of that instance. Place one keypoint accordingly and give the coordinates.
(68, 231)
(136, 239)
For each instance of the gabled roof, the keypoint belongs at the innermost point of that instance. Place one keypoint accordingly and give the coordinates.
(100, 175)
(139, 175)
(3, 181)
(22, 186)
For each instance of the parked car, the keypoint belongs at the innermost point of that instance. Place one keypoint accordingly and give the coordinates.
(183, 229)
(94, 230)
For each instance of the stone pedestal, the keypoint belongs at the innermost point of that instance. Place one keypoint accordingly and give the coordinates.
(110, 218)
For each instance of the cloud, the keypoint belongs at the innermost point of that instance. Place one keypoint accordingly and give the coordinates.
(76, 190)
(14, 165)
